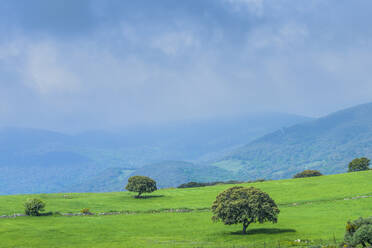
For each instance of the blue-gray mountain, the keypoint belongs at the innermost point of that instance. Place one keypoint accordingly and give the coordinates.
(33, 161)
(327, 144)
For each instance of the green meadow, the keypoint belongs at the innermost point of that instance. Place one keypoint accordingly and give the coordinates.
(313, 210)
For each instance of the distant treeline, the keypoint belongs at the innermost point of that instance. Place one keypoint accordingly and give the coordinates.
(198, 184)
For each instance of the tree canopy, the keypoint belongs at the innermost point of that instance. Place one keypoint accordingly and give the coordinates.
(359, 164)
(34, 206)
(245, 206)
(359, 232)
(308, 173)
(141, 184)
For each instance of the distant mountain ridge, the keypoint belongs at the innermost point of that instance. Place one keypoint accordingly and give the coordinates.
(326, 144)
(41, 161)
(99, 161)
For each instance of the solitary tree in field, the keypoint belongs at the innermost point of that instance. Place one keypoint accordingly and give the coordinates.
(34, 206)
(359, 164)
(359, 232)
(141, 184)
(308, 173)
(245, 206)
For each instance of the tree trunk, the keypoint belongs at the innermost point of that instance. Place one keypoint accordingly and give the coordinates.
(245, 225)
(139, 195)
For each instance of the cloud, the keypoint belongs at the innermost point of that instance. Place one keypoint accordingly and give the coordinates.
(132, 63)
(46, 71)
(283, 36)
(175, 42)
(255, 7)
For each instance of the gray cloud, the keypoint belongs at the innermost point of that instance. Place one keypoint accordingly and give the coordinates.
(95, 64)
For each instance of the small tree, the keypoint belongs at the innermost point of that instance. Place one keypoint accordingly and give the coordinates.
(359, 232)
(34, 206)
(359, 164)
(141, 184)
(308, 173)
(244, 205)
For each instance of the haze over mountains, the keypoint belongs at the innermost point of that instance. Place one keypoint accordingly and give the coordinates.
(327, 144)
(128, 67)
(34, 160)
(42, 161)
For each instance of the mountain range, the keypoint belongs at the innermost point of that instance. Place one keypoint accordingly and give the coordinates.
(42, 161)
(327, 144)
(260, 146)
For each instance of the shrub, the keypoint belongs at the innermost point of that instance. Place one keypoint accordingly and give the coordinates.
(308, 173)
(34, 206)
(244, 205)
(141, 184)
(359, 232)
(197, 184)
(85, 211)
(192, 185)
(359, 164)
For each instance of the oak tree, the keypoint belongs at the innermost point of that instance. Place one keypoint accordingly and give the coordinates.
(245, 206)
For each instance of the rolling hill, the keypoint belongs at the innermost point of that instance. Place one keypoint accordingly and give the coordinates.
(41, 161)
(165, 173)
(326, 144)
(312, 210)
(34, 161)
(174, 173)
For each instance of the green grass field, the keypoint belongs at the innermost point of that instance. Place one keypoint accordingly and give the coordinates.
(314, 209)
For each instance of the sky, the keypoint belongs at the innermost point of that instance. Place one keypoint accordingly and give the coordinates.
(96, 64)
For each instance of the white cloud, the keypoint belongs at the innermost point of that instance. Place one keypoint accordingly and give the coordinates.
(153, 71)
(173, 43)
(288, 35)
(9, 50)
(253, 6)
(46, 70)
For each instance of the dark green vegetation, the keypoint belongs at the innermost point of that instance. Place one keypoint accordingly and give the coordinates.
(34, 206)
(245, 206)
(141, 184)
(326, 144)
(172, 173)
(313, 210)
(359, 164)
(308, 173)
(198, 184)
(33, 161)
(359, 232)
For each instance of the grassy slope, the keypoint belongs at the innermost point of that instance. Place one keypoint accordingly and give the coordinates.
(319, 213)
(282, 191)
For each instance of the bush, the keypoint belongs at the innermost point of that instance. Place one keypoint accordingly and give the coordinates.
(359, 232)
(308, 173)
(141, 184)
(197, 184)
(34, 206)
(192, 185)
(85, 211)
(244, 205)
(359, 164)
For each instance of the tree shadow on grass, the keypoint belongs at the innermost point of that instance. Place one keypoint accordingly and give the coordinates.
(149, 196)
(264, 231)
(46, 214)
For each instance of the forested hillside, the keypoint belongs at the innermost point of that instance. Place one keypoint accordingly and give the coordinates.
(33, 160)
(326, 144)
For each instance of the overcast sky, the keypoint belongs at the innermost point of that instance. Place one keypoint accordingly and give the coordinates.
(86, 64)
